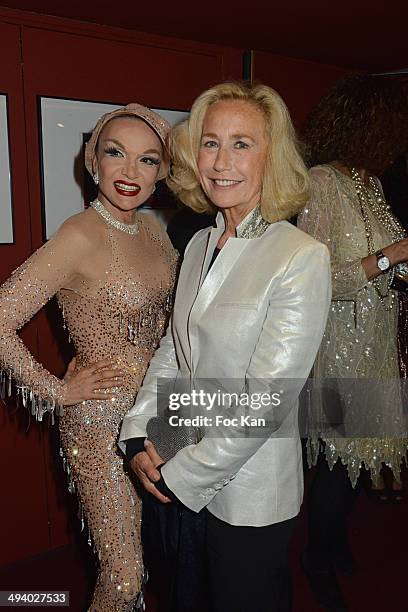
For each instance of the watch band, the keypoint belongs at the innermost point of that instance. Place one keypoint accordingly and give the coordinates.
(383, 262)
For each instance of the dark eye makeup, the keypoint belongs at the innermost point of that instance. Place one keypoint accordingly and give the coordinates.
(150, 161)
(113, 151)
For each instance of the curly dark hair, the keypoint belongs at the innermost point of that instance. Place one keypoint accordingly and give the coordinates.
(361, 122)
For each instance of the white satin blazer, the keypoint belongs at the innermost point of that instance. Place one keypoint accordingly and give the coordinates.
(258, 313)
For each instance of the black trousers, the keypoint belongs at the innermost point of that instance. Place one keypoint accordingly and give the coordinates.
(248, 567)
(331, 499)
(173, 540)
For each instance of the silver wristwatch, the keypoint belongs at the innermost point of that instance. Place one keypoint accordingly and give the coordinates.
(383, 263)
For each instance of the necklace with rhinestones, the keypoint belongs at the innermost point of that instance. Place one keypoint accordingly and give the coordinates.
(109, 218)
(371, 198)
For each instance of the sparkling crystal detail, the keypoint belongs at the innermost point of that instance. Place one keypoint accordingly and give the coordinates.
(131, 229)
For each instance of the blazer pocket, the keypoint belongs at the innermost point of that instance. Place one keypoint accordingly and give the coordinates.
(240, 305)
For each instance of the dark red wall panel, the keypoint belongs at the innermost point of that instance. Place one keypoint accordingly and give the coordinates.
(300, 83)
(23, 507)
(11, 83)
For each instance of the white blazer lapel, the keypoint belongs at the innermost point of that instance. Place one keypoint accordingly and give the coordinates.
(220, 270)
(211, 280)
(213, 238)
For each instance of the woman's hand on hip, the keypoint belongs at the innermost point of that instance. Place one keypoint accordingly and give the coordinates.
(92, 382)
(144, 465)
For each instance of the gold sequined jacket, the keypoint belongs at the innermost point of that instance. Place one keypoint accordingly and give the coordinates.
(360, 341)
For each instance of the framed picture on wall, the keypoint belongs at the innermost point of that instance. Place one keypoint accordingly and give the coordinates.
(67, 188)
(6, 206)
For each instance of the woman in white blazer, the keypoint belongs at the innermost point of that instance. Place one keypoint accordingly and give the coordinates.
(249, 314)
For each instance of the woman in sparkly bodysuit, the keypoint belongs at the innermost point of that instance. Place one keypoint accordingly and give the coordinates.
(113, 270)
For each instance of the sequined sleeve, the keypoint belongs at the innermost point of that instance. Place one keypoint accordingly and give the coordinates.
(325, 218)
(21, 297)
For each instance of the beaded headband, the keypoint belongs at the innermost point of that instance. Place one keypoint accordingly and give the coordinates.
(158, 124)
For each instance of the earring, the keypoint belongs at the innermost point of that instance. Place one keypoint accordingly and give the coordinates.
(95, 177)
(154, 188)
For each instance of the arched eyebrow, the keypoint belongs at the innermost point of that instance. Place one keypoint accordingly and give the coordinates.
(239, 136)
(116, 142)
(233, 136)
(153, 151)
(119, 144)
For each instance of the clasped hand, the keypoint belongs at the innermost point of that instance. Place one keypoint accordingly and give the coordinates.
(145, 464)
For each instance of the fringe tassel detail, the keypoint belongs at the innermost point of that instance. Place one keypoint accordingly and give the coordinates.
(37, 406)
(147, 318)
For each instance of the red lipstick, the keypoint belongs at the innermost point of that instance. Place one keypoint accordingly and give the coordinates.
(126, 189)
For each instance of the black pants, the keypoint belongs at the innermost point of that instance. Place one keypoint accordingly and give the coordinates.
(173, 540)
(331, 499)
(248, 566)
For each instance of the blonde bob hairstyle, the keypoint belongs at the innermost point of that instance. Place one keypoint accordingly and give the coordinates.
(285, 184)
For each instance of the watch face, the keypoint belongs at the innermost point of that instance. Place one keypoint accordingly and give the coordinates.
(383, 263)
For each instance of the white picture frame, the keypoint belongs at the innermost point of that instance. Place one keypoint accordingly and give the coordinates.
(64, 122)
(6, 205)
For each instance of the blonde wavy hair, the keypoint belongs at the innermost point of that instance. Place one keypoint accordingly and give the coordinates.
(285, 184)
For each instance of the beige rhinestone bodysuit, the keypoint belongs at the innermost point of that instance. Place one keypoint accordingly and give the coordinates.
(122, 316)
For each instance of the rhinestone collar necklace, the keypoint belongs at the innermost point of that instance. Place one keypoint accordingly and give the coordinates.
(110, 219)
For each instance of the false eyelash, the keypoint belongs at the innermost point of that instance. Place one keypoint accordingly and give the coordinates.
(154, 160)
(111, 150)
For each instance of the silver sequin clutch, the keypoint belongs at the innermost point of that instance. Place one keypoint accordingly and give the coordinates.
(167, 439)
